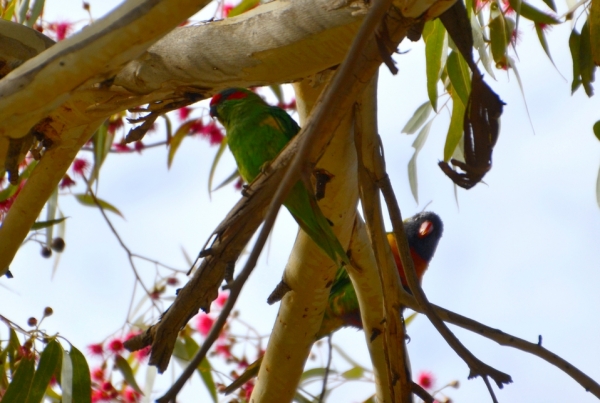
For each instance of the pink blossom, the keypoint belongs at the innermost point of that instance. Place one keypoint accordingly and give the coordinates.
(114, 124)
(221, 299)
(80, 166)
(426, 379)
(142, 354)
(98, 374)
(184, 112)
(115, 345)
(223, 349)
(121, 148)
(130, 395)
(66, 182)
(248, 388)
(204, 323)
(62, 29)
(227, 9)
(96, 349)
(138, 146)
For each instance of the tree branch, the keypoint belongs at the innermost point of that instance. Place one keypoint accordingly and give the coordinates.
(398, 369)
(46, 81)
(505, 339)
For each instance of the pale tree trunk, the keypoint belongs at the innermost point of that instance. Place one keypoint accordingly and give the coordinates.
(310, 272)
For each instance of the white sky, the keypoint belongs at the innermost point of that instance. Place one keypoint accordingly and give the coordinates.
(520, 254)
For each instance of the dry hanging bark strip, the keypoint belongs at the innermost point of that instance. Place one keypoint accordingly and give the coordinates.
(481, 122)
(481, 128)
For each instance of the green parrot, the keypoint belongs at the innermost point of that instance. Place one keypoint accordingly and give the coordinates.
(256, 133)
(423, 231)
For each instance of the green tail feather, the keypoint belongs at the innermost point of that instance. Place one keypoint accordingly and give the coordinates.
(309, 216)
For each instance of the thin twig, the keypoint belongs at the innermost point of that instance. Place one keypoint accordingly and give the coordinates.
(116, 234)
(329, 354)
(477, 367)
(234, 292)
(422, 393)
(505, 339)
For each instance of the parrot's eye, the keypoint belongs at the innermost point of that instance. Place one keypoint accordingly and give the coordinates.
(425, 229)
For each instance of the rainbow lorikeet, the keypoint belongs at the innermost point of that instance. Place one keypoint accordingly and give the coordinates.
(256, 133)
(423, 231)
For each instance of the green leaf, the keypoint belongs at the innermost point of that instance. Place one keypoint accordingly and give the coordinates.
(513, 66)
(35, 12)
(278, 91)
(532, 13)
(20, 385)
(410, 318)
(9, 10)
(594, 21)
(412, 164)
(298, 398)
(204, 369)
(460, 76)
(501, 29)
(49, 360)
(213, 166)
(244, 6)
(88, 200)
(22, 11)
(418, 118)
(102, 141)
(51, 206)
(596, 129)
(550, 3)
(543, 41)
(574, 46)
(434, 46)
(586, 64)
(176, 140)
(13, 347)
(127, 372)
(43, 224)
(82, 384)
(456, 128)
(10, 190)
(480, 45)
(353, 373)
(313, 373)
(234, 175)
(66, 377)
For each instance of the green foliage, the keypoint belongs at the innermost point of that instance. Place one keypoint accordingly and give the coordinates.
(434, 35)
(244, 6)
(176, 140)
(48, 365)
(125, 369)
(88, 200)
(19, 387)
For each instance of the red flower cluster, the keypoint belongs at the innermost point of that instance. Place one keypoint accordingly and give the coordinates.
(426, 379)
(204, 323)
(210, 131)
(61, 29)
(80, 166)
